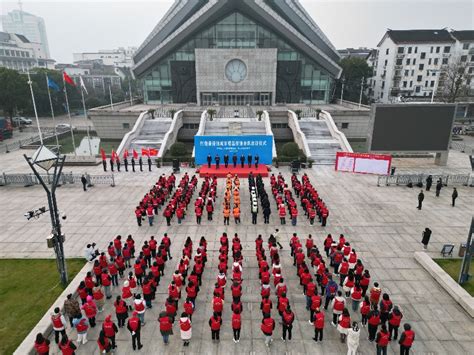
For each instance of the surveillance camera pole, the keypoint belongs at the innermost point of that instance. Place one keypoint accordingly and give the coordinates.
(53, 210)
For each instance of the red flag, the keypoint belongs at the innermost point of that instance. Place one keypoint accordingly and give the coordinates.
(135, 154)
(145, 152)
(153, 152)
(102, 152)
(68, 79)
(125, 154)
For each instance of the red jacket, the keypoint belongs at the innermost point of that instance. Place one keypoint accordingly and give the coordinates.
(165, 324)
(267, 326)
(319, 320)
(215, 323)
(236, 321)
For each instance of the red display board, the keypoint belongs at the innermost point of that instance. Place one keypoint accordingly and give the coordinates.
(363, 163)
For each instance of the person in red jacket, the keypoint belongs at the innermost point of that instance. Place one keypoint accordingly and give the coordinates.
(134, 326)
(394, 320)
(166, 326)
(104, 343)
(364, 310)
(382, 340)
(66, 346)
(236, 325)
(41, 345)
(266, 305)
(267, 327)
(318, 322)
(282, 213)
(185, 328)
(406, 339)
(287, 323)
(217, 304)
(121, 311)
(188, 307)
(215, 323)
(373, 321)
(110, 330)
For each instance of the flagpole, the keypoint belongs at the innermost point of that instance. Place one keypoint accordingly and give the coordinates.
(89, 140)
(52, 113)
(130, 92)
(110, 94)
(69, 114)
(85, 116)
(34, 106)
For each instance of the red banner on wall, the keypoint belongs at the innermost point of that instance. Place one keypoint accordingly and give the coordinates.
(363, 163)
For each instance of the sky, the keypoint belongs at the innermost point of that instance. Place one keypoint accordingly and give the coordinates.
(86, 26)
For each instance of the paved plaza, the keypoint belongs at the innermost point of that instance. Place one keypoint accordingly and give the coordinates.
(382, 224)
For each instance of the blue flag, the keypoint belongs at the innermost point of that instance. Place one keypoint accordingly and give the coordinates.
(53, 85)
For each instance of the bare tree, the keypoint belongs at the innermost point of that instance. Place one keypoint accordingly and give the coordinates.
(454, 80)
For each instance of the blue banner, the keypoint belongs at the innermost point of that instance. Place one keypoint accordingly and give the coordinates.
(260, 145)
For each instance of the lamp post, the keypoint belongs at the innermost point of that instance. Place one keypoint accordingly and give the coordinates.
(466, 262)
(46, 159)
(342, 88)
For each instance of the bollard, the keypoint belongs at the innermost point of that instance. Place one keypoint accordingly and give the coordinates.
(113, 181)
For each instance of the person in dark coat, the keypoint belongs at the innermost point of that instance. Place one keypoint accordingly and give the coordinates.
(140, 162)
(125, 163)
(209, 160)
(454, 196)
(84, 182)
(218, 160)
(257, 158)
(111, 161)
(426, 238)
(149, 163)
(234, 160)
(242, 160)
(249, 160)
(133, 164)
(226, 160)
(429, 182)
(439, 186)
(421, 197)
(104, 164)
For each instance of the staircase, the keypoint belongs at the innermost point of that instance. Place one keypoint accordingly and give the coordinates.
(222, 127)
(151, 134)
(322, 145)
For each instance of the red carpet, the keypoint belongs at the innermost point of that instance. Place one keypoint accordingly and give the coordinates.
(241, 172)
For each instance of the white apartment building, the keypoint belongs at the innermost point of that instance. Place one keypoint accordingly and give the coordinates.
(28, 25)
(413, 63)
(120, 57)
(18, 53)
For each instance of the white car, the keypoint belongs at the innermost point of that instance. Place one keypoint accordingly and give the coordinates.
(64, 127)
(22, 121)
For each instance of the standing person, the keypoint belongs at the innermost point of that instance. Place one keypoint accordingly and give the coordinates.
(59, 324)
(266, 214)
(140, 162)
(318, 322)
(125, 163)
(217, 159)
(209, 160)
(72, 308)
(421, 197)
(110, 330)
(104, 343)
(254, 212)
(150, 214)
(236, 324)
(134, 326)
(166, 326)
(111, 162)
(257, 158)
(82, 325)
(394, 320)
(287, 324)
(215, 323)
(267, 327)
(84, 182)
(185, 328)
(426, 237)
(429, 182)
(41, 345)
(104, 164)
(406, 339)
(226, 160)
(121, 311)
(353, 336)
(454, 196)
(140, 308)
(344, 324)
(278, 238)
(439, 186)
(133, 164)
(234, 160)
(66, 346)
(149, 163)
(249, 160)
(242, 160)
(382, 340)
(118, 163)
(90, 309)
(282, 213)
(373, 321)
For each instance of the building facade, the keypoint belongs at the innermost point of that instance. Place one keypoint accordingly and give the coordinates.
(120, 57)
(28, 25)
(237, 52)
(18, 53)
(413, 64)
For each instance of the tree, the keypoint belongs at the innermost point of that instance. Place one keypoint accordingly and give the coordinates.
(14, 92)
(259, 114)
(353, 70)
(454, 81)
(298, 113)
(211, 112)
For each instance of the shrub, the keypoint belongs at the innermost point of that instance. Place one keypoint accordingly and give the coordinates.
(178, 149)
(290, 149)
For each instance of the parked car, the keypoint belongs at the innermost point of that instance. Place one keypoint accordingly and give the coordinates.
(64, 127)
(21, 121)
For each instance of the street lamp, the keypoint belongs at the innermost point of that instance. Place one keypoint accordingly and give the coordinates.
(46, 159)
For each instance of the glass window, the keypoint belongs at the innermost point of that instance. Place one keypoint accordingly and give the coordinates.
(401, 50)
(465, 46)
(421, 67)
(447, 49)
(438, 49)
(408, 61)
(423, 55)
(409, 50)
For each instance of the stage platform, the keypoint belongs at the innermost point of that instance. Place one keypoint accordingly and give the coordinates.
(241, 172)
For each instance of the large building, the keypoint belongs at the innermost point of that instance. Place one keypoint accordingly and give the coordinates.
(237, 52)
(28, 25)
(414, 63)
(120, 57)
(18, 53)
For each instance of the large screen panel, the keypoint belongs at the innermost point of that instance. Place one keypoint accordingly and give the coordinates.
(412, 127)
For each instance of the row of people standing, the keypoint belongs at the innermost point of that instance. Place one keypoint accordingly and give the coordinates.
(217, 160)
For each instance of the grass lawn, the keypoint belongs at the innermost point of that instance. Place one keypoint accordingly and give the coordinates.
(28, 287)
(65, 141)
(358, 146)
(452, 267)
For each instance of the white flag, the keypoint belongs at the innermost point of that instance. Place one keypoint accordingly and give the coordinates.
(83, 86)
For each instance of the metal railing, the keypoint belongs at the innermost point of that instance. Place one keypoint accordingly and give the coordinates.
(47, 133)
(65, 178)
(462, 147)
(448, 180)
